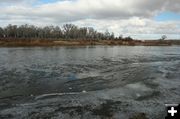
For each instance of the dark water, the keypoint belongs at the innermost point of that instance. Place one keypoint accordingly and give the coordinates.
(137, 77)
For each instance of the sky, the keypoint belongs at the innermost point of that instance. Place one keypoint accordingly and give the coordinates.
(140, 19)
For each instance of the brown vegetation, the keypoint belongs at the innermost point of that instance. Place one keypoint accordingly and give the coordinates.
(61, 42)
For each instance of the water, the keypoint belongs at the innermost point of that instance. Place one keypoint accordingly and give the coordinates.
(61, 80)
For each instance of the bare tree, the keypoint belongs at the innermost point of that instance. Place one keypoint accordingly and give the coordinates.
(1, 32)
(68, 31)
(163, 37)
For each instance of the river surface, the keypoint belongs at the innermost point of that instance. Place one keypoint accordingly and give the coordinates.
(99, 82)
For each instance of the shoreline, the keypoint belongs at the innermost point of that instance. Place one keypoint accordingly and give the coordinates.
(62, 42)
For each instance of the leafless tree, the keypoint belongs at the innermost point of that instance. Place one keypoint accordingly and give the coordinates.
(68, 31)
(163, 37)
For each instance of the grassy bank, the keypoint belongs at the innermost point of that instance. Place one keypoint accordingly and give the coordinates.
(61, 42)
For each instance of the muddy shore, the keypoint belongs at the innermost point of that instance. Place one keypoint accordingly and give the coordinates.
(61, 42)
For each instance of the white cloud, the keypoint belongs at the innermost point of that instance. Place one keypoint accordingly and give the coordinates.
(135, 27)
(127, 17)
(7, 1)
(81, 9)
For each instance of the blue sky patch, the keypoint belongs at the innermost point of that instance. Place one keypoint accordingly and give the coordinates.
(167, 16)
(47, 1)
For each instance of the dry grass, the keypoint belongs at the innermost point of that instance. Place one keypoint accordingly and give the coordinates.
(50, 42)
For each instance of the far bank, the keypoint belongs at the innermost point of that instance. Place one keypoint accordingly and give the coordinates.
(74, 42)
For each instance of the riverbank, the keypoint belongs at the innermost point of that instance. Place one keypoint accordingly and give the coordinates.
(49, 42)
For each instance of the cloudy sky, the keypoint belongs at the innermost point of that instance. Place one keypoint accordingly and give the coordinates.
(141, 19)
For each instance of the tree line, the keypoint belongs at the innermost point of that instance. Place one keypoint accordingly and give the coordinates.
(67, 31)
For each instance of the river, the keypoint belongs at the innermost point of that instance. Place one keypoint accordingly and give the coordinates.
(88, 82)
